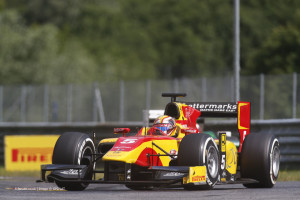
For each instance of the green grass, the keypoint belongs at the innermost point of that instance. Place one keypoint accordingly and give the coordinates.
(284, 175)
(289, 175)
(4, 173)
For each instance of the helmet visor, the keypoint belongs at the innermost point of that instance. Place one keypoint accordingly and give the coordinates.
(163, 127)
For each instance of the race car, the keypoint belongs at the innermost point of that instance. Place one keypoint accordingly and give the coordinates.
(173, 152)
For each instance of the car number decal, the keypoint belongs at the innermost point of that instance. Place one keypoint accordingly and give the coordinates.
(128, 141)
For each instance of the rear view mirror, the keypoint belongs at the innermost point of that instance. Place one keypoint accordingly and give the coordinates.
(121, 130)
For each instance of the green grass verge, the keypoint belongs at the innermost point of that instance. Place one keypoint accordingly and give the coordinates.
(289, 175)
(284, 175)
(4, 173)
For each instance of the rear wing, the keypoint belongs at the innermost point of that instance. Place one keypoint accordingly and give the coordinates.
(239, 110)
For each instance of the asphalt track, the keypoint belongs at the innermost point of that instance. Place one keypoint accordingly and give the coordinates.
(27, 188)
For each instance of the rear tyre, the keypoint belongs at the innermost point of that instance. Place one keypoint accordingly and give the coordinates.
(199, 150)
(75, 149)
(260, 160)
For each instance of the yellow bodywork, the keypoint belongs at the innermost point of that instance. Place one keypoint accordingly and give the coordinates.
(197, 175)
(108, 140)
(134, 155)
(231, 157)
(168, 146)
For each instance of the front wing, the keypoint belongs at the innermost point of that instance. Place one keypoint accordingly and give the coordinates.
(158, 175)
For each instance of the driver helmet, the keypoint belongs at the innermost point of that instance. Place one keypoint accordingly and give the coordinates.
(165, 123)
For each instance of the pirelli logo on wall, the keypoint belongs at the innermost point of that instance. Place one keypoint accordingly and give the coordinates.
(28, 152)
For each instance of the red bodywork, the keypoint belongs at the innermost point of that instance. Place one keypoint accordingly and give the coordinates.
(188, 120)
(243, 121)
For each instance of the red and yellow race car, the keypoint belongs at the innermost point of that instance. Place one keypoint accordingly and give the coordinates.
(172, 152)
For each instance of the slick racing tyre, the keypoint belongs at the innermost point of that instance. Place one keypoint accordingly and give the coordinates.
(75, 149)
(198, 150)
(260, 158)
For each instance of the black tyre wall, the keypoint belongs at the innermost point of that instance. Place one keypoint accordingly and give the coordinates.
(192, 152)
(73, 148)
(256, 159)
(67, 148)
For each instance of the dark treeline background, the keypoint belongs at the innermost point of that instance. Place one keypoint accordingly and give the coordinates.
(79, 41)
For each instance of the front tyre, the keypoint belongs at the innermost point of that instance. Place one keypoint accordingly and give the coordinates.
(260, 160)
(75, 149)
(200, 150)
